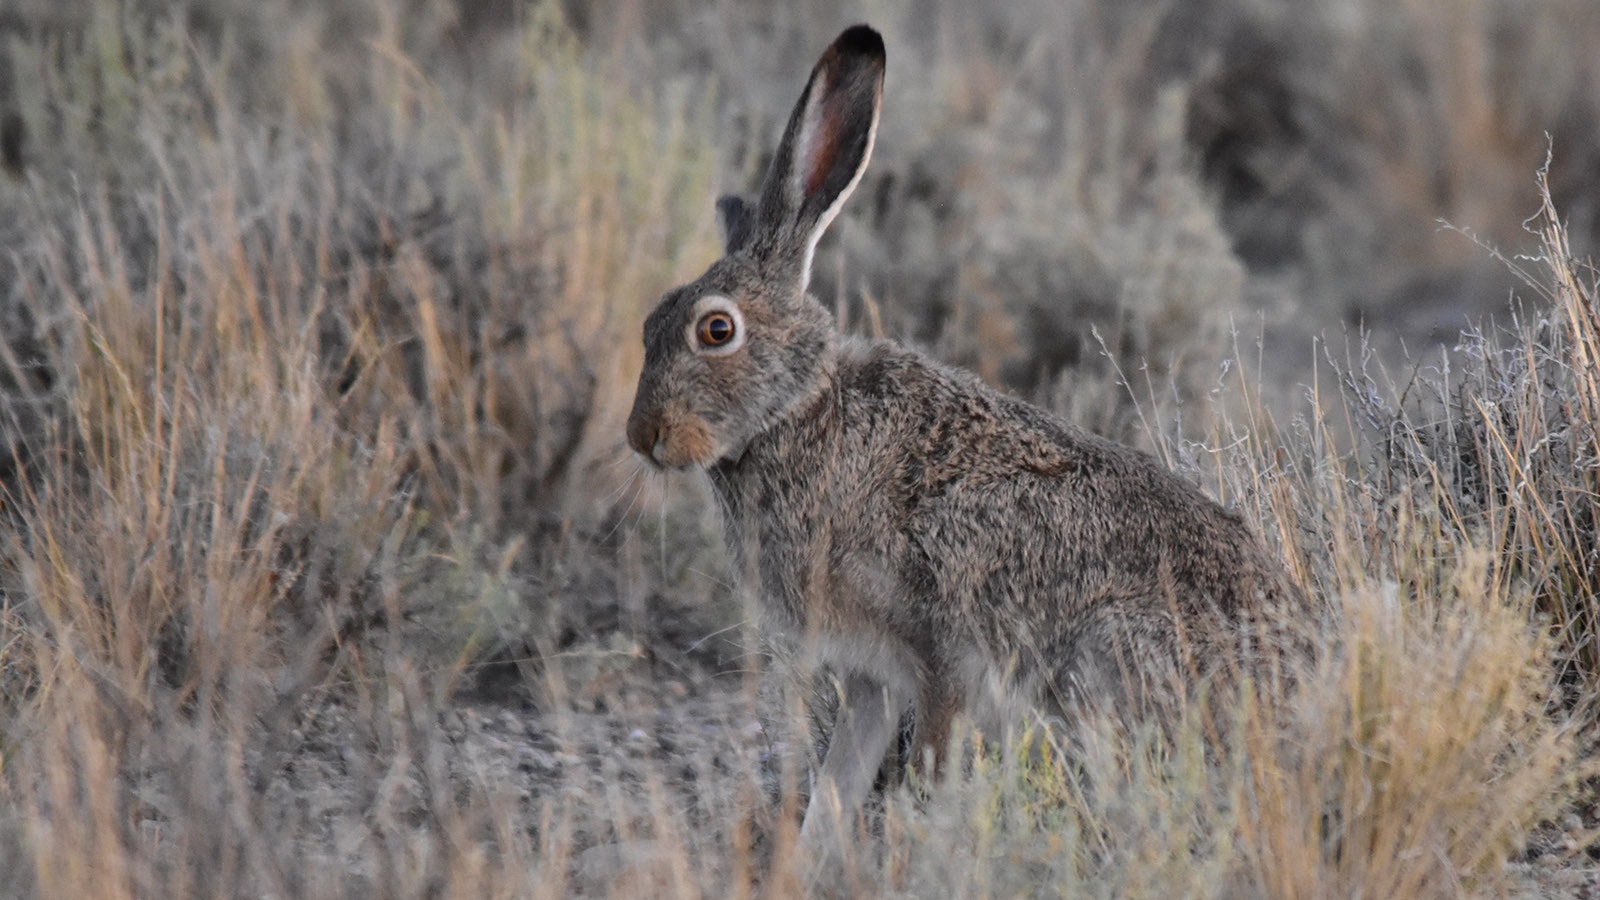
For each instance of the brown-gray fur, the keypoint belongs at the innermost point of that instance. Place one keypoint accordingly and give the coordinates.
(940, 547)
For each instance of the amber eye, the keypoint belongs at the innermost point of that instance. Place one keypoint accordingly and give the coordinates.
(715, 329)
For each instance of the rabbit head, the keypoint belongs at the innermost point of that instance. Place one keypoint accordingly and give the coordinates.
(730, 353)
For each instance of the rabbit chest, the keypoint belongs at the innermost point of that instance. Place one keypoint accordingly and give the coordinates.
(813, 539)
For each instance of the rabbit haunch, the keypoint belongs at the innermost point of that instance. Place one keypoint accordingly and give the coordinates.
(941, 548)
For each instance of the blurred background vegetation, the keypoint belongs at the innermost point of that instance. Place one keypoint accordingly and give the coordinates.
(318, 321)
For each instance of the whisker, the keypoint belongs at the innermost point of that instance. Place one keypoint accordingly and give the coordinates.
(697, 644)
(661, 529)
(625, 456)
(711, 578)
(628, 509)
(627, 483)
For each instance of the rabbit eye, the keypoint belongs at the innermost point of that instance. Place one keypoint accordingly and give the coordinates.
(715, 329)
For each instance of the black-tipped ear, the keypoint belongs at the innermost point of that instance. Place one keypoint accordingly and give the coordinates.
(736, 219)
(824, 149)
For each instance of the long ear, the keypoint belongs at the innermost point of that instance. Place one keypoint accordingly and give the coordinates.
(823, 152)
(736, 220)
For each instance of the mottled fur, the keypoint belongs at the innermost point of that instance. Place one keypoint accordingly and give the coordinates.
(939, 546)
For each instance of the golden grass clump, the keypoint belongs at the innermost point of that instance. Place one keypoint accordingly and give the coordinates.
(1418, 755)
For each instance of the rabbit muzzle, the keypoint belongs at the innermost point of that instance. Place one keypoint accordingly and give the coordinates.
(671, 441)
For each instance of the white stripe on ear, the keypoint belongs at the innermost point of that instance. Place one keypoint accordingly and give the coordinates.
(805, 150)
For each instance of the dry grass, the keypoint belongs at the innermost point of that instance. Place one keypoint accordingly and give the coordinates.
(322, 571)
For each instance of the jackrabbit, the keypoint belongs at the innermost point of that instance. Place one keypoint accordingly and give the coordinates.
(939, 547)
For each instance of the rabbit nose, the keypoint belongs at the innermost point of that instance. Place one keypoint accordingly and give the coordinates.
(644, 432)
